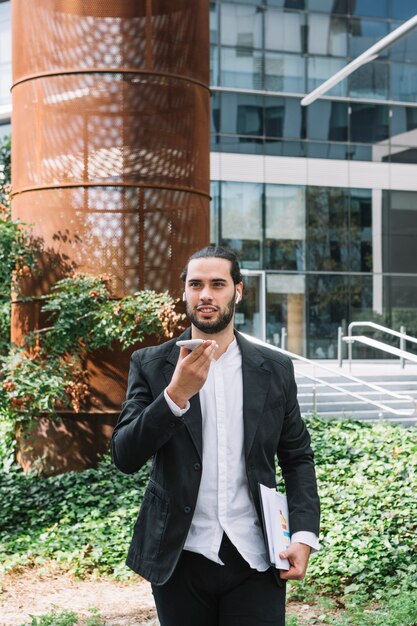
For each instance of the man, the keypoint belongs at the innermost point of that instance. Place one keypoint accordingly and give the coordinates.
(213, 421)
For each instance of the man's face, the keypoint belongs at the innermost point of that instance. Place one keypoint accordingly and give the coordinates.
(210, 294)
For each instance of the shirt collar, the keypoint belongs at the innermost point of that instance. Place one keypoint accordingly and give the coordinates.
(232, 351)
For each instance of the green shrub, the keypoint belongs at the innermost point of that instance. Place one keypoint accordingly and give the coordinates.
(48, 372)
(367, 482)
(367, 477)
(391, 611)
(81, 520)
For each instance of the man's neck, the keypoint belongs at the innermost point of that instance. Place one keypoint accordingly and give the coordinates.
(223, 338)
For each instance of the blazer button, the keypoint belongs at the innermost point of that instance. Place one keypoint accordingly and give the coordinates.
(197, 466)
(187, 509)
(172, 424)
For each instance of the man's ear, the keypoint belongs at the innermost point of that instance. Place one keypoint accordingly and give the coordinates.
(239, 290)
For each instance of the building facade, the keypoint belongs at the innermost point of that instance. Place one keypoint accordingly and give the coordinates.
(320, 202)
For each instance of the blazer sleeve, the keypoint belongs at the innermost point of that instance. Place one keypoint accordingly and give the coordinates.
(146, 422)
(296, 460)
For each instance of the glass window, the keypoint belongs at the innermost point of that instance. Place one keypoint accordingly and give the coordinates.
(214, 66)
(214, 37)
(285, 308)
(399, 231)
(214, 211)
(242, 114)
(328, 6)
(284, 31)
(363, 294)
(327, 309)
(334, 301)
(284, 118)
(4, 9)
(285, 148)
(284, 72)
(361, 230)
(403, 81)
(5, 54)
(368, 122)
(400, 155)
(400, 304)
(328, 150)
(241, 25)
(327, 120)
(403, 9)
(327, 34)
(363, 35)
(406, 48)
(369, 8)
(5, 130)
(241, 221)
(215, 141)
(284, 227)
(215, 112)
(369, 81)
(360, 152)
(404, 123)
(241, 68)
(260, 2)
(327, 229)
(288, 4)
(5, 85)
(322, 68)
(246, 145)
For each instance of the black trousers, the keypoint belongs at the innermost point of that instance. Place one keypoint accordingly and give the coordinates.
(203, 593)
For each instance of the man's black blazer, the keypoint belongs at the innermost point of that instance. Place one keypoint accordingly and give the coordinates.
(147, 428)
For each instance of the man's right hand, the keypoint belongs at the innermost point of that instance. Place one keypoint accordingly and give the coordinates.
(190, 373)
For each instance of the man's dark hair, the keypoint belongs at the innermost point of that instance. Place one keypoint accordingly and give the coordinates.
(219, 253)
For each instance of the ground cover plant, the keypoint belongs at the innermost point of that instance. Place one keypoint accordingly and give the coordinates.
(367, 481)
(64, 618)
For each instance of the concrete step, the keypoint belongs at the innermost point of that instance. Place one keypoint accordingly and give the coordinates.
(331, 402)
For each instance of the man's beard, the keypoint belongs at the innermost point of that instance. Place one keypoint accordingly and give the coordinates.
(216, 326)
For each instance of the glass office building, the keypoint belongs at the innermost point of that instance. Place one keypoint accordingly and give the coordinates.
(320, 202)
(5, 68)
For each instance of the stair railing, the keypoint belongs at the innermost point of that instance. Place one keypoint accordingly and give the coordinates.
(338, 373)
(383, 346)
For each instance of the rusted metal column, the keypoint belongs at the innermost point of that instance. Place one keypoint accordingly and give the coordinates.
(110, 142)
(110, 146)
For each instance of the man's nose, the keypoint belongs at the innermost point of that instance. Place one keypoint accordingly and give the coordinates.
(206, 294)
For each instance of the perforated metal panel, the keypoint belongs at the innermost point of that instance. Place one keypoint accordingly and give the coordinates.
(110, 141)
(110, 133)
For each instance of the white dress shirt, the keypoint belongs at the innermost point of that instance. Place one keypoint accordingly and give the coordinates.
(224, 502)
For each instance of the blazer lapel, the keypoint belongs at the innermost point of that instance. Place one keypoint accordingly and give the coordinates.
(256, 381)
(192, 418)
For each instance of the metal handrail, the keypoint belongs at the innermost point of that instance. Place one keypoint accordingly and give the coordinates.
(380, 345)
(389, 331)
(358, 396)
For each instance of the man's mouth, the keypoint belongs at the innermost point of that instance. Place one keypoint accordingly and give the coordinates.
(206, 309)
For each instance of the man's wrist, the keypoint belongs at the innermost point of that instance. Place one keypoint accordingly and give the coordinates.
(307, 538)
(177, 398)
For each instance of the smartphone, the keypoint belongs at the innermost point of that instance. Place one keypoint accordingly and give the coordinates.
(190, 344)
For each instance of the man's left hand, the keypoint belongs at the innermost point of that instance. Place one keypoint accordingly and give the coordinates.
(298, 555)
